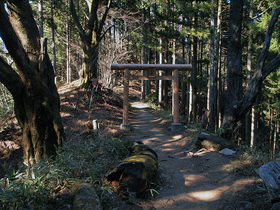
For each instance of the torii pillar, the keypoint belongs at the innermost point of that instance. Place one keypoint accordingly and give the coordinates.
(152, 68)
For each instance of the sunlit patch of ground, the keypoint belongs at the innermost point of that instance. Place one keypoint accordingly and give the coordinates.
(106, 108)
(207, 196)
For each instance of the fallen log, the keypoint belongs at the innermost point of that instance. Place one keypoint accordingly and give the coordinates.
(142, 148)
(134, 174)
(270, 174)
(205, 140)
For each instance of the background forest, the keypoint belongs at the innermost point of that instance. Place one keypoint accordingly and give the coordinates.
(166, 31)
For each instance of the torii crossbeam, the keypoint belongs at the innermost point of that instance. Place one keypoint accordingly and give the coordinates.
(152, 68)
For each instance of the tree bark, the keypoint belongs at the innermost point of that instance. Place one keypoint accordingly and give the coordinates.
(160, 83)
(218, 65)
(212, 74)
(234, 57)
(53, 42)
(41, 18)
(249, 70)
(194, 71)
(144, 53)
(68, 51)
(35, 95)
(242, 107)
(183, 82)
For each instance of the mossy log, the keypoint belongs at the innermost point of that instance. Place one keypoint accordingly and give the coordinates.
(138, 148)
(134, 174)
(205, 140)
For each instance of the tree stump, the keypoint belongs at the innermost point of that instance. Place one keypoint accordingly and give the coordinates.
(134, 174)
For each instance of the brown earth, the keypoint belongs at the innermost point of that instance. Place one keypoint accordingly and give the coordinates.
(188, 179)
(192, 180)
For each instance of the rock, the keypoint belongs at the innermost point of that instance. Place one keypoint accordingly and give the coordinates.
(227, 151)
(206, 134)
(85, 197)
(208, 141)
(270, 174)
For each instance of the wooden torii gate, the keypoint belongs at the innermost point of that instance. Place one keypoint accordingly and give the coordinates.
(152, 68)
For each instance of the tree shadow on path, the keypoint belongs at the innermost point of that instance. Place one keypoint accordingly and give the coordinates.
(200, 180)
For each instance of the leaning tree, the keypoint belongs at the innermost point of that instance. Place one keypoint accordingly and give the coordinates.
(36, 100)
(237, 105)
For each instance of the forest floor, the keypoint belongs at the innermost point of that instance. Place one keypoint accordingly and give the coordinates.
(192, 179)
(188, 179)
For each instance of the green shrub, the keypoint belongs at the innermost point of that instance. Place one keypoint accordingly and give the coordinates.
(86, 158)
(248, 161)
(26, 188)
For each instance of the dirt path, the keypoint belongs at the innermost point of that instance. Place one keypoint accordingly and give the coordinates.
(198, 180)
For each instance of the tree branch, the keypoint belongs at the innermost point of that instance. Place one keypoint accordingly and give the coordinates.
(76, 20)
(27, 30)
(266, 45)
(271, 66)
(15, 47)
(102, 22)
(93, 16)
(9, 78)
(101, 37)
(12, 81)
(261, 72)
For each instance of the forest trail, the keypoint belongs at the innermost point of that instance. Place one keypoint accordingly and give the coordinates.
(188, 180)
(200, 180)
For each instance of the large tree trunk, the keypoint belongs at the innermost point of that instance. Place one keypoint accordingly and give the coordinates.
(234, 77)
(68, 52)
(194, 70)
(160, 83)
(249, 118)
(41, 18)
(35, 95)
(218, 65)
(212, 98)
(53, 42)
(238, 109)
(144, 53)
(184, 83)
(194, 80)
